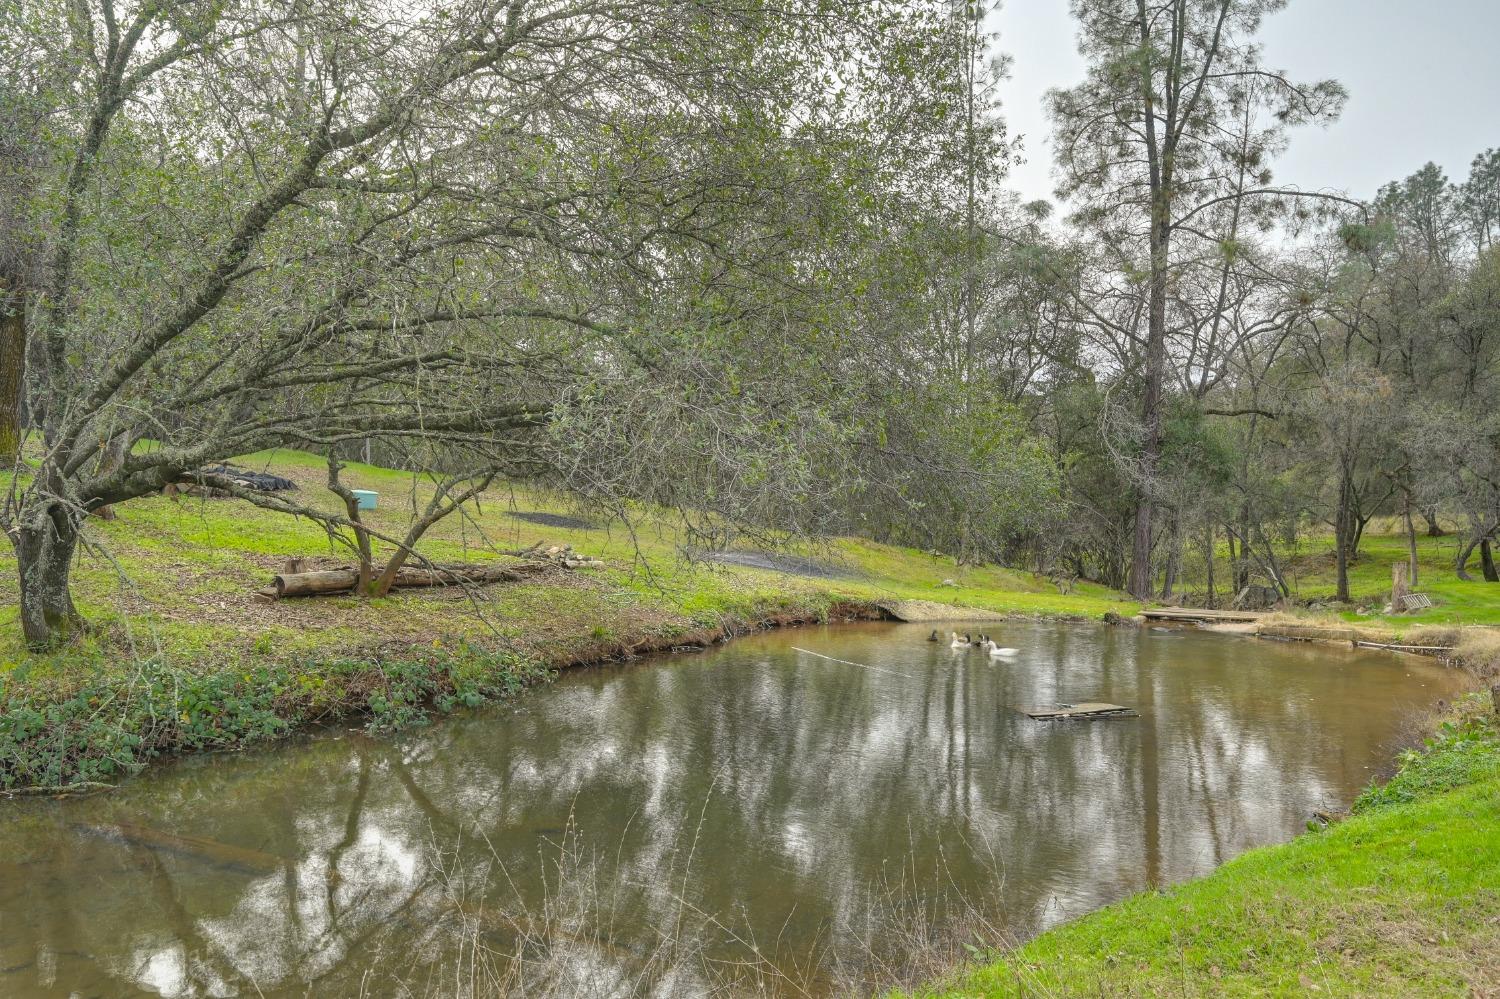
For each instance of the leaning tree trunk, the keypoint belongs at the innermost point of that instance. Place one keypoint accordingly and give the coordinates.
(1434, 529)
(45, 544)
(1487, 562)
(1461, 562)
(12, 370)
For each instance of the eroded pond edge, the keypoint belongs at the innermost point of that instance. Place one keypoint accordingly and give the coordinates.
(81, 737)
(85, 738)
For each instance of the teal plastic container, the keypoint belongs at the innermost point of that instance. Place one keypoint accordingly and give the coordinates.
(365, 498)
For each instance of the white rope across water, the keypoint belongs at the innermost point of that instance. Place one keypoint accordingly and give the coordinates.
(846, 662)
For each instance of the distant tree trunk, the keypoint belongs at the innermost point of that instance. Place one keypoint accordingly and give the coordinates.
(1273, 568)
(1242, 565)
(1160, 177)
(1231, 551)
(1208, 560)
(1411, 543)
(1434, 529)
(1341, 592)
(1487, 562)
(1341, 532)
(45, 544)
(1174, 559)
(1140, 565)
(12, 369)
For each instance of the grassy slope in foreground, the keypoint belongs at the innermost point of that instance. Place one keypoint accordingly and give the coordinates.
(182, 657)
(1403, 899)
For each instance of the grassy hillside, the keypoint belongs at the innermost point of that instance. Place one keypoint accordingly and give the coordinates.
(1403, 899)
(184, 657)
(176, 576)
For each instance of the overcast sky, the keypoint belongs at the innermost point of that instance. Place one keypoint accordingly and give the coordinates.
(1423, 78)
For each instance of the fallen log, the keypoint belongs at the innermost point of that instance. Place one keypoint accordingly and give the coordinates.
(323, 581)
(308, 584)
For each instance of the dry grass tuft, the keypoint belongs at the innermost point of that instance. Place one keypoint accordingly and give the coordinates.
(1479, 652)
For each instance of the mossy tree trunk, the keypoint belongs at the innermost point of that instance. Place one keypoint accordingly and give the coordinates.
(45, 545)
(12, 369)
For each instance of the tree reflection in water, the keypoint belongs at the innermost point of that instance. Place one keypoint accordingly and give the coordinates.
(752, 818)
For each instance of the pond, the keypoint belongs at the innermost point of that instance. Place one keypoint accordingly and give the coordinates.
(752, 817)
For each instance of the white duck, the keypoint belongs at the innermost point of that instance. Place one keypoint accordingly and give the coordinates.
(996, 652)
(958, 643)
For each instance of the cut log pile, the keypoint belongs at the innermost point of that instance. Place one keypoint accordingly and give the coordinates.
(565, 556)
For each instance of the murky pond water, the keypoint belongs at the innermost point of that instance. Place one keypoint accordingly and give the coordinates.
(754, 814)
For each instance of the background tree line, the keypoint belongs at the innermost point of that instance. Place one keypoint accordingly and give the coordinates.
(1209, 360)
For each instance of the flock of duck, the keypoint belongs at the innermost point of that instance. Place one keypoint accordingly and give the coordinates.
(967, 641)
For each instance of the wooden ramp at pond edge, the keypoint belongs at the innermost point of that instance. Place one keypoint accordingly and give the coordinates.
(1199, 614)
(1081, 712)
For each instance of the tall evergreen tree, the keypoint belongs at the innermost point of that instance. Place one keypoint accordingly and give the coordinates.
(1142, 154)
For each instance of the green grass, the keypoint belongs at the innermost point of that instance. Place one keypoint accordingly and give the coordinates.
(1308, 565)
(1402, 899)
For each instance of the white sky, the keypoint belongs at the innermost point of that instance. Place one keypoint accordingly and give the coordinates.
(1423, 78)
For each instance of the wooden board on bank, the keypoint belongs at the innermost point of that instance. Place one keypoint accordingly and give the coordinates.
(1082, 712)
(1198, 614)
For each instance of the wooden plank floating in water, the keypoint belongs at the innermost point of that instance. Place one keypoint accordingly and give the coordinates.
(1082, 712)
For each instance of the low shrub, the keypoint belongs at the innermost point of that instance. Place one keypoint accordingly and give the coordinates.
(109, 727)
(1464, 750)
